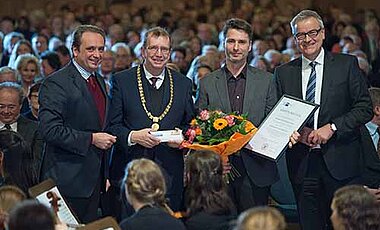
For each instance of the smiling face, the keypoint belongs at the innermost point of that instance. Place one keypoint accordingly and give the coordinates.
(237, 46)
(309, 47)
(28, 73)
(9, 106)
(90, 52)
(156, 53)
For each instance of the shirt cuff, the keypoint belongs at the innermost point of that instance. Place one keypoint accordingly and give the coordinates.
(130, 143)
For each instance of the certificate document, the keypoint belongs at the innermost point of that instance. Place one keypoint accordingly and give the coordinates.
(288, 115)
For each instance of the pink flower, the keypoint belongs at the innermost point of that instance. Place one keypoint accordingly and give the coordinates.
(190, 133)
(204, 115)
(230, 120)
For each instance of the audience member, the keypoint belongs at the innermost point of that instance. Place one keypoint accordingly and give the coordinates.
(39, 43)
(207, 202)
(9, 197)
(261, 218)
(7, 74)
(145, 190)
(30, 215)
(49, 62)
(32, 114)
(354, 208)
(16, 165)
(21, 47)
(123, 56)
(106, 69)
(63, 54)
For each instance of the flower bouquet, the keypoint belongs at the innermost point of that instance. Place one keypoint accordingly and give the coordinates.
(222, 133)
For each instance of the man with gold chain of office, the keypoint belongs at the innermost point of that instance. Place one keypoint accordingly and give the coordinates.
(147, 98)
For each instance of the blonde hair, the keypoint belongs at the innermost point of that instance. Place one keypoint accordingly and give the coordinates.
(145, 182)
(25, 59)
(10, 196)
(261, 218)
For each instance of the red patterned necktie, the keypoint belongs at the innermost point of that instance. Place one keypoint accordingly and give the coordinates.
(98, 97)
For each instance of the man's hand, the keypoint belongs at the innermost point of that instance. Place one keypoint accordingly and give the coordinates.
(144, 138)
(375, 192)
(293, 139)
(177, 143)
(321, 135)
(103, 140)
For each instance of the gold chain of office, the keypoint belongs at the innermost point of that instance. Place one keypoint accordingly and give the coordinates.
(155, 125)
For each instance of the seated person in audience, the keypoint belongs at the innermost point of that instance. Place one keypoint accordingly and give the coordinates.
(207, 202)
(11, 97)
(145, 190)
(32, 114)
(354, 208)
(63, 54)
(16, 166)
(7, 74)
(261, 218)
(31, 215)
(9, 197)
(49, 62)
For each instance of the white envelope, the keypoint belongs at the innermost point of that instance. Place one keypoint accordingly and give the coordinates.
(168, 135)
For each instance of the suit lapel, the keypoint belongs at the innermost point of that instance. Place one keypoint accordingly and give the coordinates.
(327, 79)
(251, 85)
(222, 90)
(296, 73)
(81, 85)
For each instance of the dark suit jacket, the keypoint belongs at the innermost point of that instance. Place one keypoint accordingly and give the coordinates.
(344, 102)
(68, 117)
(28, 129)
(259, 98)
(370, 162)
(151, 218)
(127, 114)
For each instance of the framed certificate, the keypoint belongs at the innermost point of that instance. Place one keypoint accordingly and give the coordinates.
(288, 115)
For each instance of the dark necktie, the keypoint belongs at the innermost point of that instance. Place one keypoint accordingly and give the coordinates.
(98, 97)
(378, 142)
(310, 90)
(154, 80)
(8, 127)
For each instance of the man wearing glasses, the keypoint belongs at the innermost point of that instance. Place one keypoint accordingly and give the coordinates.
(147, 98)
(329, 156)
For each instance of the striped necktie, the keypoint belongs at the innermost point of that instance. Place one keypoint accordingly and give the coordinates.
(378, 142)
(310, 90)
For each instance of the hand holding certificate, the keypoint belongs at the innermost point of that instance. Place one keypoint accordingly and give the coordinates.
(288, 115)
(169, 135)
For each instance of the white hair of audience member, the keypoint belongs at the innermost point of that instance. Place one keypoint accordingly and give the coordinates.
(54, 42)
(1, 36)
(273, 57)
(209, 48)
(7, 41)
(290, 52)
(137, 50)
(122, 45)
(69, 43)
(260, 62)
(363, 64)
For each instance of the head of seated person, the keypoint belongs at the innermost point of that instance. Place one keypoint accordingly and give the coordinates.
(10, 196)
(261, 218)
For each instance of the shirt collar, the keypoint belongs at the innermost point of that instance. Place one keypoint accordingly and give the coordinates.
(372, 127)
(319, 60)
(83, 72)
(230, 76)
(148, 75)
(13, 126)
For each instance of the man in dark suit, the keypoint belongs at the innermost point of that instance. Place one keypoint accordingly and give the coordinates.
(370, 136)
(152, 97)
(11, 96)
(241, 88)
(73, 108)
(329, 158)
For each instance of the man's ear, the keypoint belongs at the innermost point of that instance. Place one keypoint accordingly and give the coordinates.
(376, 110)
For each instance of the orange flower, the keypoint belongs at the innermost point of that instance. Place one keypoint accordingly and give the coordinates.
(249, 126)
(238, 117)
(198, 131)
(193, 122)
(220, 123)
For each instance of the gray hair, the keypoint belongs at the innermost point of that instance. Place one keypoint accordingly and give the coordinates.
(13, 86)
(123, 45)
(7, 69)
(303, 15)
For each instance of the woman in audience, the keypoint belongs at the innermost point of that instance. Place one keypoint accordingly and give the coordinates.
(16, 165)
(9, 197)
(30, 215)
(23, 46)
(354, 208)
(261, 218)
(207, 202)
(28, 69)
(145, 191)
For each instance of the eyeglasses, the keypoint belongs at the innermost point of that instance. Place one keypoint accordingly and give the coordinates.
(154, 49)
(312, 34)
